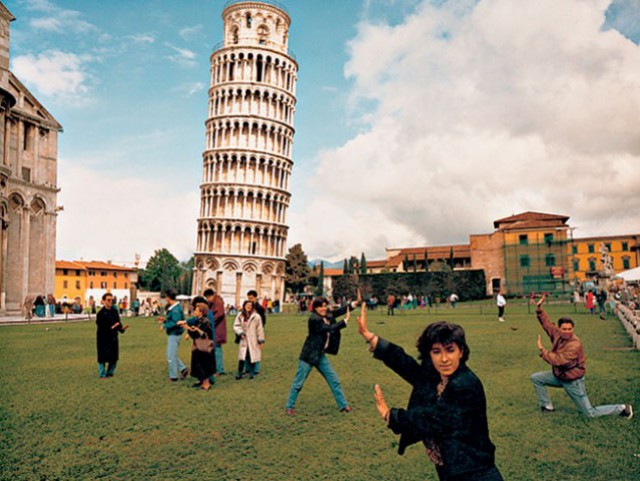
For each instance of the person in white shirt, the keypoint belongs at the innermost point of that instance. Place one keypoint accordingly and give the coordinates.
(501, 302)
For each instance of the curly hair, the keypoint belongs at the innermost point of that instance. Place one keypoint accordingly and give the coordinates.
(444, 333)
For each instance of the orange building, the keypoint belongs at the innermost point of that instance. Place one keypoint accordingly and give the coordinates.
(586, 257)
(85, 279)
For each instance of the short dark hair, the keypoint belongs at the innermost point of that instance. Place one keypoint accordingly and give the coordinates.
(318, 301)
(444, 333)
(253, 293)
(209, 292)
(171, 294)
(198, 299)
(106, 294)
(566, 320)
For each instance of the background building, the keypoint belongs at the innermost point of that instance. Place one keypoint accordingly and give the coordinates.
(84, 279)
(28, 186)
(242, 229)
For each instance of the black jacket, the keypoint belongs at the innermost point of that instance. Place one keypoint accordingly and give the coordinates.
(457, 421)
(107, 338)
(317, 338)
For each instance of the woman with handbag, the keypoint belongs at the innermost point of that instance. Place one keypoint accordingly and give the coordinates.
(249, 330)
(203, 362)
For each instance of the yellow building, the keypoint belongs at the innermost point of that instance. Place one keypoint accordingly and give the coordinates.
(586, 257)
(93, 279)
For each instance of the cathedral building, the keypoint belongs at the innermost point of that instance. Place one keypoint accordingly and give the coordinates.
(242, 230)
(28, 186)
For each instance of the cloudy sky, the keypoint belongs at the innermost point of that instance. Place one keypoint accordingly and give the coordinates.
(418, 122)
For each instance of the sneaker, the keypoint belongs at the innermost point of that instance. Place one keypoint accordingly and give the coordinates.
(290, 412)
(501, 319)
(346, 410)
(238, 376)
(627, 412)
(546, 409)
(184, 373)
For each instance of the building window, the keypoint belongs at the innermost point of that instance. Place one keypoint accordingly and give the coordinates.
(574, 249)
(524, 239)
(625, 246)
(115, 285)
(115, 274)
(126, 275)
(65, 284)
(249, 20)
(65, 272)
(103, 273)
(92, 273)
(525, 261)
(26, 174)
(27, 141)
(548, 238)
(103, 285)
(626, 264)
(126, 286)
(77, 273)
(91, 285)
(550, 260)
(591, 248)
(77, 284)
(576, 265)
(608, 246)
(592, 264)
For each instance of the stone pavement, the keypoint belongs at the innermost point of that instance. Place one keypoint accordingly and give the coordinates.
(18, 319)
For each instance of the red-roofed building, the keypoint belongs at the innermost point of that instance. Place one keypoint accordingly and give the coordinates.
(94, 278)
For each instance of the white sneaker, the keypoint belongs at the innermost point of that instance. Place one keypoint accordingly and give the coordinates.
(627, 412)
(501, 319)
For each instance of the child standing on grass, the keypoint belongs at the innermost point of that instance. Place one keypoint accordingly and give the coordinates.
(200, 330)
(250, 335)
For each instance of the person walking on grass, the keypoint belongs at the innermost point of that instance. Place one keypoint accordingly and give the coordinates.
(447, 409)
(109, 326)
(248, 328)
(323, 338)
(252, 296)
(500, 302)
(216, 305)
(568, 363)
(174, 314)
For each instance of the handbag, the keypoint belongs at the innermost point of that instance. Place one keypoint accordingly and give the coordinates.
(203, 345)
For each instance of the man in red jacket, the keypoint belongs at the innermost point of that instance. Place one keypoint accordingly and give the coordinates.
(568, 363)
(216, 304)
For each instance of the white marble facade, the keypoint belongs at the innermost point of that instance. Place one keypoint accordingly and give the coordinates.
(242, 230)
(28, 187)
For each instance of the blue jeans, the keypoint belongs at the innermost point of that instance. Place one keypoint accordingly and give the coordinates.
(103, 371)
(327, 371)
(175, 363)
(576, 391)
(218, 353)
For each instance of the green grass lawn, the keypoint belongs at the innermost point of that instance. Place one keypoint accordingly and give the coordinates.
(58, 421)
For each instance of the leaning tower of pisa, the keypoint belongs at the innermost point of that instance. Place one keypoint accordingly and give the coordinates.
(242, 230)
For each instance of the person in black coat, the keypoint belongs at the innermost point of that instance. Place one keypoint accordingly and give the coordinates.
(447, 409)
(323, 338)
(109, 325)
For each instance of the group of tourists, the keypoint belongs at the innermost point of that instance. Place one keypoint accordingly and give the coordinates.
(447, 409)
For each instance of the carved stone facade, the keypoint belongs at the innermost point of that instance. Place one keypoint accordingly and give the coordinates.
(28, 187)
(242, 231)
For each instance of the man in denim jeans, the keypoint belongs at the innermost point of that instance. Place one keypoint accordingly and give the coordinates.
(568, 363)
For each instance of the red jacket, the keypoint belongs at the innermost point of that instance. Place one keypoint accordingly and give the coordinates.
(566, 357)
(219, 319)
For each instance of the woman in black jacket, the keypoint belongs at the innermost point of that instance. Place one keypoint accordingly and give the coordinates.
(323, 338)
(447, 409)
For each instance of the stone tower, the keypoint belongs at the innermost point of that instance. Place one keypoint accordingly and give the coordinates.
(242, 231)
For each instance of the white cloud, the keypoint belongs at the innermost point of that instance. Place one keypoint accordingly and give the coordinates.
(191, 88)
(113, 216)
(54, 73)
(483, 109)
(58, 20)
(189, 33)
(143, 38)
(182, 56)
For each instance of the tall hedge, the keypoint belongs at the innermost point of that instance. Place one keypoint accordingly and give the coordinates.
(467, 284)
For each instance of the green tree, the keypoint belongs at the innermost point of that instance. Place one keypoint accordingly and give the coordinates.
(405, 263)
(297, 271)
(354, 265)
(345, 267)
(162, 271)
(415, 263)
(320, 286)
(345, 286)
(185, 279)
(363, 264)
(451, 260)
(426, 261)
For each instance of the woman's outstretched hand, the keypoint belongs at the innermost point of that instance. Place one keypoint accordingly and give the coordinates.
(541, 301)
(363, 330)
(381, 404)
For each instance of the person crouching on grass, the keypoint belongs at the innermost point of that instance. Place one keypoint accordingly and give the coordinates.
(447, 409)
(200, 330)
(250, 334)
(569, 365)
